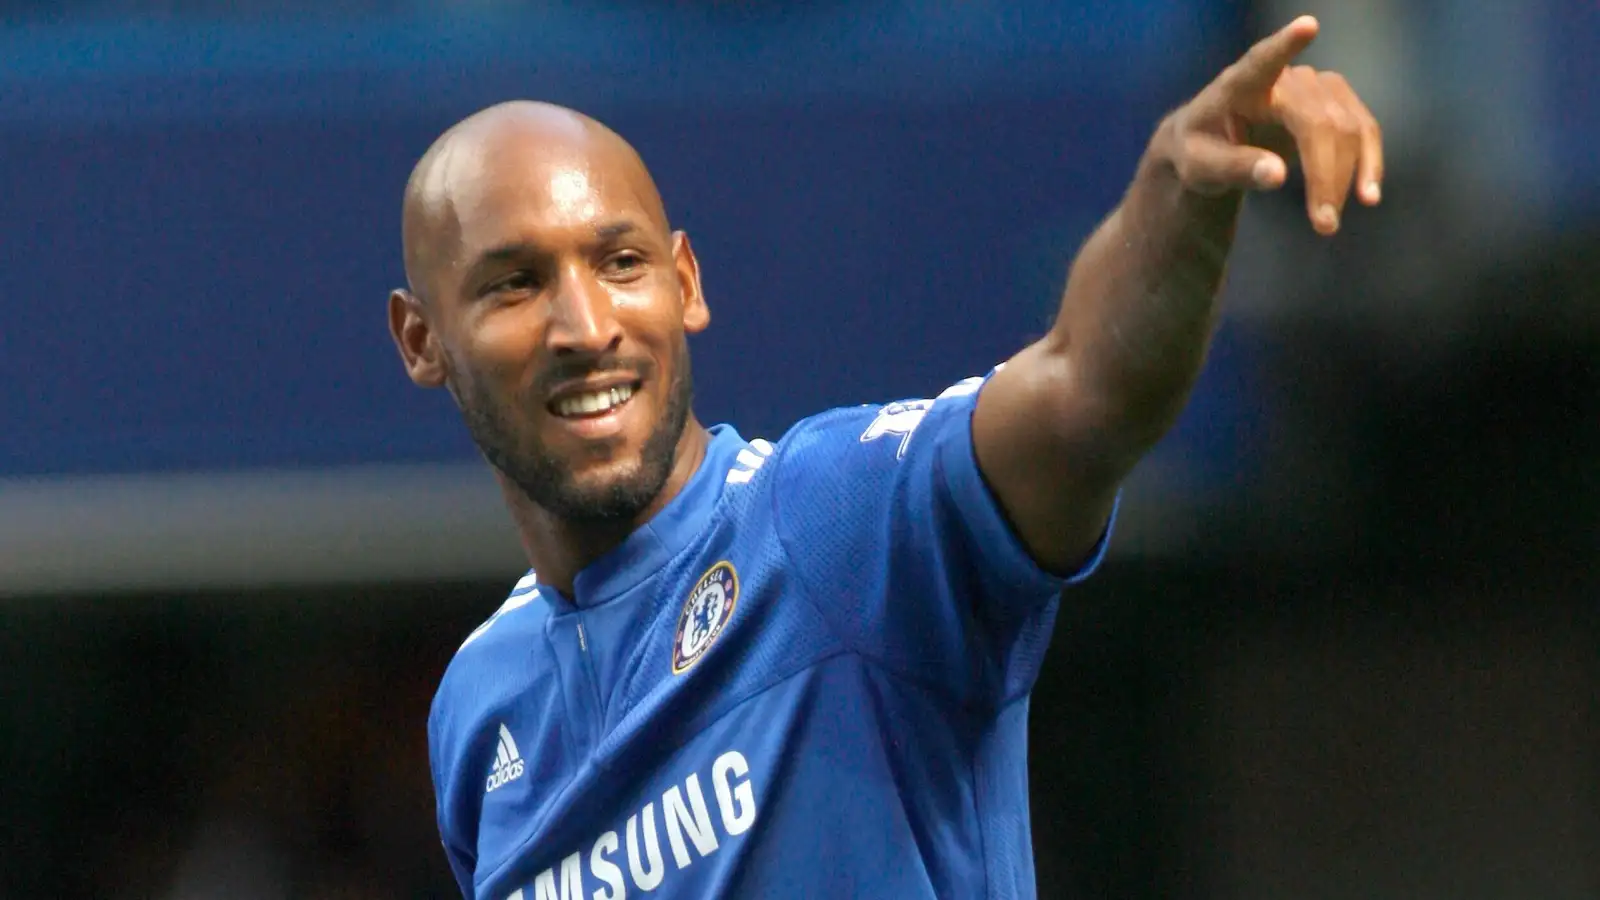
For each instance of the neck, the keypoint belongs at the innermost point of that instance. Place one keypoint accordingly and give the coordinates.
(559, 549)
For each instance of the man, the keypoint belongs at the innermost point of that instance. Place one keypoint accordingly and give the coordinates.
(740, 669)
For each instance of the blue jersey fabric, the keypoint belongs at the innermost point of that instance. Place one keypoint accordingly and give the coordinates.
(808, 677)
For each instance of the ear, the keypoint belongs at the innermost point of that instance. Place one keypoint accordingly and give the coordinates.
(414, 337)
(696, 315)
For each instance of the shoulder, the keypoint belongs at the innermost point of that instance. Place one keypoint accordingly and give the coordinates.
(877, 435)
(524, 592)
(492, 662)
(866, 479)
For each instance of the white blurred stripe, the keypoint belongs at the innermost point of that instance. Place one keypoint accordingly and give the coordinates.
(250, 529)
(110, 534)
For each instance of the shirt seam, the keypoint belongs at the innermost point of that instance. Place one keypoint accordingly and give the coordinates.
(893, 672)
(833, 629)
(971, 758)
(789, 557)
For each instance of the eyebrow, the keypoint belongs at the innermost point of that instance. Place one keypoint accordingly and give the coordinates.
(613, 230)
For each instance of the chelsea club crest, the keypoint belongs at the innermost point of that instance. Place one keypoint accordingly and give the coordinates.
(705, 613)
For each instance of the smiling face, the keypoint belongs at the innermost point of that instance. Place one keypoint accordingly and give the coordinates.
(554, 306)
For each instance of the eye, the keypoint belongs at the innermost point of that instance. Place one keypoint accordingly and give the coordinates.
(625, 263)
(516, 281)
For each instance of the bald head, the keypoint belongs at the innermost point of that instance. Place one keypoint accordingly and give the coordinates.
(543, 275)
(538, 156)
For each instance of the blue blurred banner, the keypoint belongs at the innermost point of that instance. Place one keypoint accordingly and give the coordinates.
(189, 295)
(202, 220)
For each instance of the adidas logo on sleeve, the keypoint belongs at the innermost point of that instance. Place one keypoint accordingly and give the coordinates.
(508, 764)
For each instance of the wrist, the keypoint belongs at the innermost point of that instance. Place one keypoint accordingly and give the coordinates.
(1159, 207)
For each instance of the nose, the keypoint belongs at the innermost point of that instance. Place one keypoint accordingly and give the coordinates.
(582, 317)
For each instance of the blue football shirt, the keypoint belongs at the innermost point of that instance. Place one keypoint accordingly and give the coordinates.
(807, 676)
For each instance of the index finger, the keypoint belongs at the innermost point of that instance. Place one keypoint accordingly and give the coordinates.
(1261, 65)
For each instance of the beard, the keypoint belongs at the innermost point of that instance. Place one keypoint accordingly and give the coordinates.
(500, 430)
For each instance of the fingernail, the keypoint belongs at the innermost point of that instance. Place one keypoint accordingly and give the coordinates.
(1328, 217)
(1374, 194)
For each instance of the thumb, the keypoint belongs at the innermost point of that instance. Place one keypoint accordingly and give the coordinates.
(1210, 165)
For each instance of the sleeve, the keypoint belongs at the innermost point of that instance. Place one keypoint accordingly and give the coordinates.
(896, 537)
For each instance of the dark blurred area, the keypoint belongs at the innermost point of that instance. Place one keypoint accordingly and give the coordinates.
(1346, 644)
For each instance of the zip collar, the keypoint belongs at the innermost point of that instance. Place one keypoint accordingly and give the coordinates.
(648, 549)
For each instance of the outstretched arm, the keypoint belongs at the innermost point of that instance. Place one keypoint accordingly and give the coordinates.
(1060, 425)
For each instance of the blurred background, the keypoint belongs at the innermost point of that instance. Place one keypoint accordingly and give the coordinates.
(1345, 645)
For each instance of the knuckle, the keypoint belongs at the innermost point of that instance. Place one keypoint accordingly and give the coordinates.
(1341, 120)
(1185, 171)
(1181, 130)
(1333, 80)
(1188, 159)
(1315, 117)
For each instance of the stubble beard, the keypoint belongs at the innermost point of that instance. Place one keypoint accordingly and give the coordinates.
(547, 479)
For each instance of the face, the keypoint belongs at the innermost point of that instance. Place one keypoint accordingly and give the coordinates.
(558, 324)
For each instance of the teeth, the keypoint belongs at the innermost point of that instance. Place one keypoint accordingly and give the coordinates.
(594, 401)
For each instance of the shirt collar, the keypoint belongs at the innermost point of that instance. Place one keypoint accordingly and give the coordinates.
(648, 549)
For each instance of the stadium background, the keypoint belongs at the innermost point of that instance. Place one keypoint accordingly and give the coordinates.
(1345, 645)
